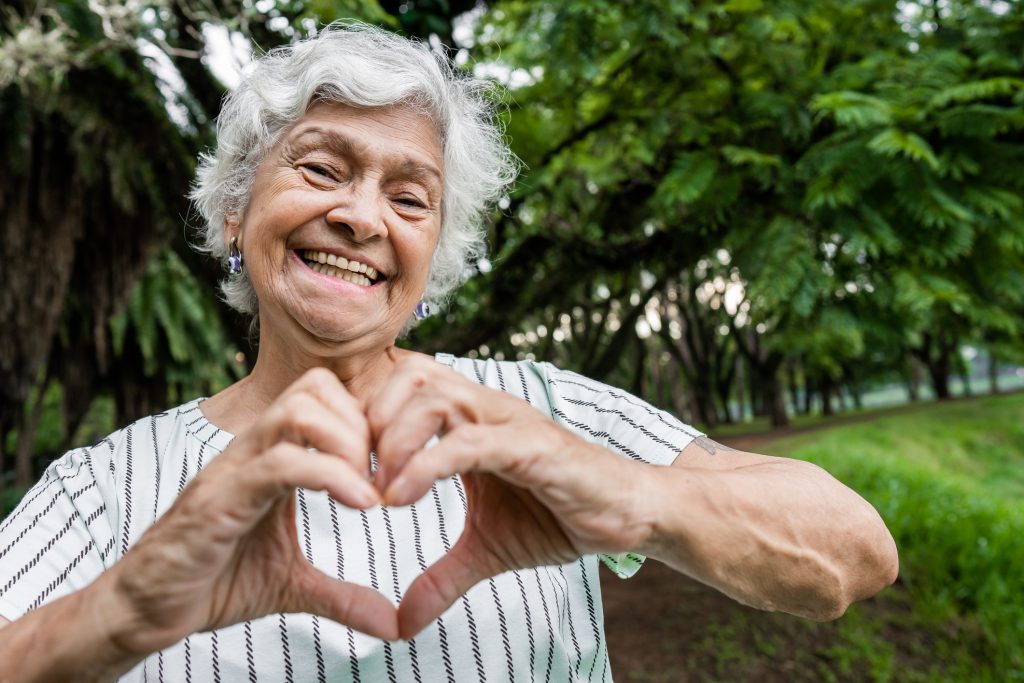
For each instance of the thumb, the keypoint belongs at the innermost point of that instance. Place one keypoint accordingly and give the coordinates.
(349, 604)
(444, 582)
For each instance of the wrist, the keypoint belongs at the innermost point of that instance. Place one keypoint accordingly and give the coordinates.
(68, 639)
(663, 499)
(642, 488)
(108, 625)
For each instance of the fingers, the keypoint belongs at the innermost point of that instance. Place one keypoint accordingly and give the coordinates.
(420, 419)
(436, 589)
(362, 608)
(285, 467)
(422, 399)
(305, 420)
(409, 376)
(405, 413)
(485, 448)
(317, 411)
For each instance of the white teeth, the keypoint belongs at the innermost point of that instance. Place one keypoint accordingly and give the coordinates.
(340, 267)
(355, 278)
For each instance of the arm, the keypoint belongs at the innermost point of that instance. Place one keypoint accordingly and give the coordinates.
(225, 551)
(73, 638)
(770, 532)
(773, 533)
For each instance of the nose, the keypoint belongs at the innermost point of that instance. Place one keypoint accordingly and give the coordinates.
(360, 214)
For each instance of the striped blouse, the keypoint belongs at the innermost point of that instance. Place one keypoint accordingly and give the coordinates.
(543, 624)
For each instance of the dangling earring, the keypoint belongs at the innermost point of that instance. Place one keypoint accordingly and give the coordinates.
(421, 311)
(234, 257)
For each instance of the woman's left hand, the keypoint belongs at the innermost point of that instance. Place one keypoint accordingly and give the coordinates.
(537, 493)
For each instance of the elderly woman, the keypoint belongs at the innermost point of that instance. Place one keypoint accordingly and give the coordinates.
(381, 513)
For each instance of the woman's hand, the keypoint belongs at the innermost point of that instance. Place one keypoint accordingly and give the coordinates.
(227, 550)
(538, 494)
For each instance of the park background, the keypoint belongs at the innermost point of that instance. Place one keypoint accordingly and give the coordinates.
(798, 225)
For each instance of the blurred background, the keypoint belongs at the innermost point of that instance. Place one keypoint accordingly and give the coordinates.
(797, 225)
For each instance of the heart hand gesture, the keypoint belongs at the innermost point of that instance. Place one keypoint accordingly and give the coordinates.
(227, 550)
(537, 494)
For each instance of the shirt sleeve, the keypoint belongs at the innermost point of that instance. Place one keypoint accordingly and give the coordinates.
(57, 539)
(620, 422)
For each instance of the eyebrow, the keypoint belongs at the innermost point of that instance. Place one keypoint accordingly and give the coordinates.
(313, 138)
(346, 146)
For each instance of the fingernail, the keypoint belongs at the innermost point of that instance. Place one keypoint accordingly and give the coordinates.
(397, 491)
(365, 494)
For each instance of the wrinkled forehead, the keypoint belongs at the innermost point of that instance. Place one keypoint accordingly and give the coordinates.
(403, 133)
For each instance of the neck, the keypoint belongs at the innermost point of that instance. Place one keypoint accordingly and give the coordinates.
(362, 370)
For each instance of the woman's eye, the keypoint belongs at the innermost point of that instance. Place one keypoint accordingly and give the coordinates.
(410, 202)
(320, 170)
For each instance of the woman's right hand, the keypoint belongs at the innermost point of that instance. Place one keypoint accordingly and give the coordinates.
(227, 550)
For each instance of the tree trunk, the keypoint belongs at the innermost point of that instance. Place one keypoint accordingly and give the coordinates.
(858, 397)
(24, 474)
(810, 387)
(853, 388)
(936, 352)
(696, 409)
(40, 222)
(913, 379)
(741, 388)
(965, 375)
(826, 396)
(993, 373)
(639, 370)
(701, 386)
(776, 400)
(938, 372)
(794, 390)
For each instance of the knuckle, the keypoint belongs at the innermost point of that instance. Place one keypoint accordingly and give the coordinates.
(376, 418)
(319, 377)
(297, 402)
(468, 434)
(275, 460)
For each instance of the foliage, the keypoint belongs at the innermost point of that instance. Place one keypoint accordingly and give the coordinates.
(168, 315)
(716, 194)
(948, 482)
(108, 105)
(832, 152)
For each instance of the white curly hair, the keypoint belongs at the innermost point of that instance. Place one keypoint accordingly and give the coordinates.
(361, 66)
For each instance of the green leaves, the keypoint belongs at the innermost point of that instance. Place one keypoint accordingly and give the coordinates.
(853, 109)
(175, 327)
(985, 89)
(893, 142)
(690, 177)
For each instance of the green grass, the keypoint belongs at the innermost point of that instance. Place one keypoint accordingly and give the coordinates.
(949, 482)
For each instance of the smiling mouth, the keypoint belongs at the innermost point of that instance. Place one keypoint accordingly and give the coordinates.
(341, 268)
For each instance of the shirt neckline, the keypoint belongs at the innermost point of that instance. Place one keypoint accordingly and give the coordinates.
(214, 437)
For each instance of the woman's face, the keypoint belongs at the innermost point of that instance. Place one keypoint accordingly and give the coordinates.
(361, 189)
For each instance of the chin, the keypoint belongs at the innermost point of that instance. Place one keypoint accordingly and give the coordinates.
(334, 332)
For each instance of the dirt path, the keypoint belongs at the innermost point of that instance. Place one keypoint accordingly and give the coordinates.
(663, 626)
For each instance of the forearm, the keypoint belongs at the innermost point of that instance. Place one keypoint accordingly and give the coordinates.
(780, 536)
(74, 638)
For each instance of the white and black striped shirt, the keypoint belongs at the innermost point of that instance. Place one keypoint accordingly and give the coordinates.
(543, 624)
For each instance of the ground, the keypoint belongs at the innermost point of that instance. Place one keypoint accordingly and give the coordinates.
(663, 626)
(685, 632)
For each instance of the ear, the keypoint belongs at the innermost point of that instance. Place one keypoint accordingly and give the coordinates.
(232, 228)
